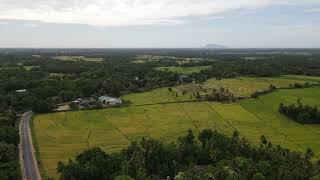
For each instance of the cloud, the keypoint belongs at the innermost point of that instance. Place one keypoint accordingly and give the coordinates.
(288, 27)
(4, 23)
(126, 12)
(215, 17)
(313, 10)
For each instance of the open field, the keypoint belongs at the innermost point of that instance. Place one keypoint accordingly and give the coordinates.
(162, 115)
(152, 58)
(184, 70)
(78, 58)
(161, 95)
(245, 86)
(29, 68)
(56, 74)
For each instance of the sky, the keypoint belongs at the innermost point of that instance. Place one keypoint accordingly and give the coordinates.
(159, 23)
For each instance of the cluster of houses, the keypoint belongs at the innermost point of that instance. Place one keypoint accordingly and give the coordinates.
(90, 103)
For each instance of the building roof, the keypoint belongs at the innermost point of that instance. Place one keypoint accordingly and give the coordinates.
(21, 90)
(108, 98)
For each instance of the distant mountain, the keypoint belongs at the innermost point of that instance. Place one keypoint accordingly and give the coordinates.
(215, 46)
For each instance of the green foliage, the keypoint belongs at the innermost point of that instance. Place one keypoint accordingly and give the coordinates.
(301, 113)
(258, 176)
(9, 139)
(49, 81)
(216, 157)
(123, 177)
(42, 107)
(91, 164)
(184, 70)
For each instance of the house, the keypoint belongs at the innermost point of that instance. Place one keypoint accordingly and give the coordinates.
(109, 101)
(78, 101)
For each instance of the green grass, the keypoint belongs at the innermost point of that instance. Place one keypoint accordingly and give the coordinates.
(61, 136)
(78, 58)
(184, 70)
(162, 95)
(29, 68)
(151, 58)
(245, 86)
(298, 136)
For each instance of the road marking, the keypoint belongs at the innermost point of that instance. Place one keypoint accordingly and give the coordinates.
(26, 154)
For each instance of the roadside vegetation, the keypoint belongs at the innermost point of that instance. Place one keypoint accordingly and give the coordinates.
(9, 142)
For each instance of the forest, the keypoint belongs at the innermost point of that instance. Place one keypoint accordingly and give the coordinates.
(9, 140)
(51, 81)
(211, 155)
(33, 79)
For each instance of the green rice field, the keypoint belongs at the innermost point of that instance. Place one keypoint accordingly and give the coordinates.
(162, 115)
(245, 86)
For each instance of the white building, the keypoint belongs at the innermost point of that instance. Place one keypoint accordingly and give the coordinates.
(107, 100)
(21, 90)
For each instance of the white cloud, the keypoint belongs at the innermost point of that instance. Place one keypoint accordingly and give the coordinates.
(125, 12)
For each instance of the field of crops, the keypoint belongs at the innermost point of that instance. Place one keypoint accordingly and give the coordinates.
(163, 115)
(78, 58)
(245, 86)
(184, 70)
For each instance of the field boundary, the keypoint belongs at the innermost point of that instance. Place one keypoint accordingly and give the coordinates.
(281, 133)
(117, 129)
(208, 104)
(190, 118)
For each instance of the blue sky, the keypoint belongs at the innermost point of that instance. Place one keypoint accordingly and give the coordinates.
(167, 23)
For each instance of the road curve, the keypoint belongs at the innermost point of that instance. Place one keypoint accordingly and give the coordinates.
(28, 161)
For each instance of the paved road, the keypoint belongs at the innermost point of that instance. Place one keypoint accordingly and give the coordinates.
(29, 164)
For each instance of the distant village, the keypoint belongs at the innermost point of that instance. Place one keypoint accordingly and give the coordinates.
(89, 103)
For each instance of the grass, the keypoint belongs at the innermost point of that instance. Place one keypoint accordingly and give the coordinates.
(297, 136)
(245, 86)
(42, 170)
(61, 136)
(161, 95)
(151, 58)
(78, 58)
(29, 68)
(184, 70)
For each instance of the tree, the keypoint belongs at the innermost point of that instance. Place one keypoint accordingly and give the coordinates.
(123, 177)
(42, 106)
(258, 176)
(187, 146)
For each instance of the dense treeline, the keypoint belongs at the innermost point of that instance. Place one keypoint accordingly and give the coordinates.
(305, 114)
(220, 95)
(211, 156)
(262, 67)
(9, 140)
(52, 81)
